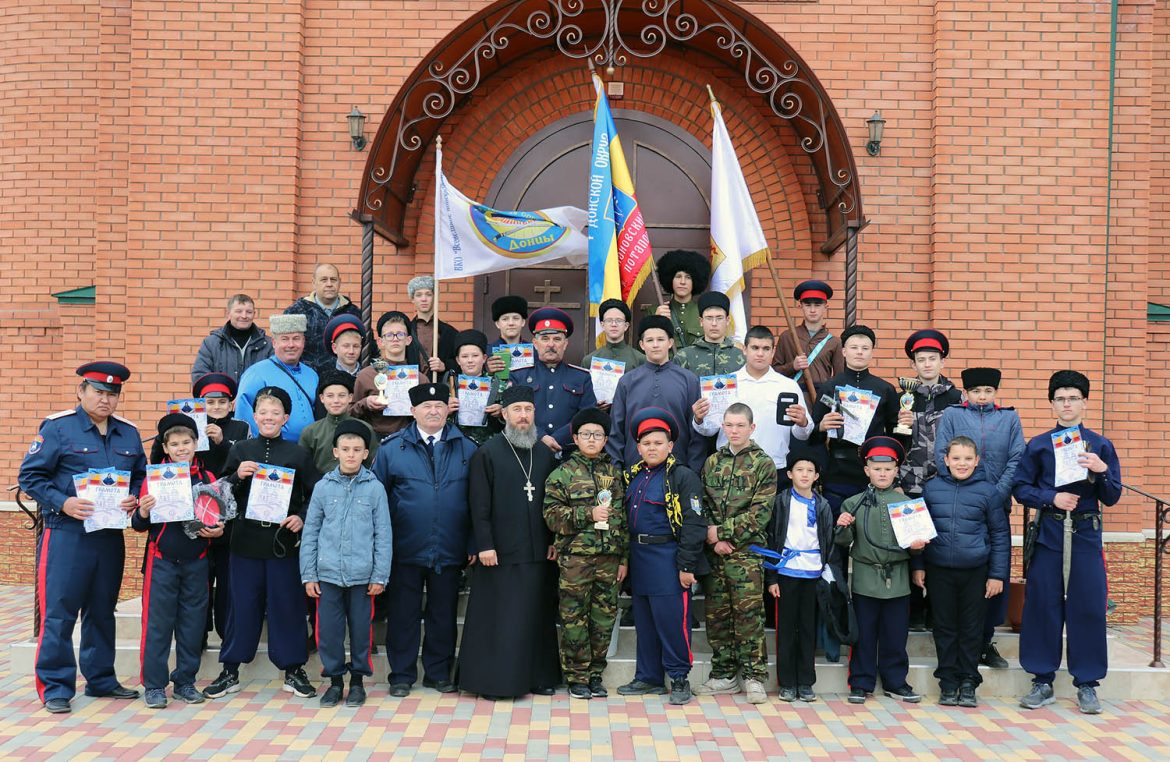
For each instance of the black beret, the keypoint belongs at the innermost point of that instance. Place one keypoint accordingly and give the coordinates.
(973, 377)
(1068, 379)
(506, 305)
(590, 415)
(650, 419)
(813, 289)
(395, 314)
(882, 449)
(614, 304)
(714, 299)
(171, 420)
(278, 393)
(518, 393)
(858, 330)
(334, 378)
(355, 427)
(429, 393)
(471, 337)
(691, 262)
(927, 340)
(655, 321)
(797, 454)
(215, 384)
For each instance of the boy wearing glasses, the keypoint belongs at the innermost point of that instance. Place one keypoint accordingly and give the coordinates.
(615, 321)
(394, 343)
(715, 354)
(1066, 595)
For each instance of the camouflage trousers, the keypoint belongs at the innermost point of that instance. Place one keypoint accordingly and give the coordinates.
(735, 616)
(588, 607)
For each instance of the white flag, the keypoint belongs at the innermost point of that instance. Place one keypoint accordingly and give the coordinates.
(472, 239)
(737, 240)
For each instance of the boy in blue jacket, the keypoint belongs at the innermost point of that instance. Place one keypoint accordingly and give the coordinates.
(966, 564)
(345, 561)
(999, 437)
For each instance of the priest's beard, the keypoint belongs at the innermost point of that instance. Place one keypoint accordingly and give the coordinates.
(523, 440)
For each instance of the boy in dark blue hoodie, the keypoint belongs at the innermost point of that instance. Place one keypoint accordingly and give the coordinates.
(966, 564)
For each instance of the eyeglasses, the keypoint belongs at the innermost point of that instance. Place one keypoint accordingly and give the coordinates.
(614, 321)
(1067, 400)
(714, 318)
(396, 336)
(590, 436)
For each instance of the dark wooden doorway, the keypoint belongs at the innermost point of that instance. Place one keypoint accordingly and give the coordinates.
(672, 176)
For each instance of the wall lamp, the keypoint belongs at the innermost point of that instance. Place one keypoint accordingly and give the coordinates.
(876, 126)
(357, 129)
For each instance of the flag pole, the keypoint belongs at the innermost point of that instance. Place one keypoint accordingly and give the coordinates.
(435, 268)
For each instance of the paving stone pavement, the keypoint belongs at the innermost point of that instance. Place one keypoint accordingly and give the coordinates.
(264, 723)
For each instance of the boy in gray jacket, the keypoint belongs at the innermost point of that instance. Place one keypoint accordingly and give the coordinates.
(345, 561)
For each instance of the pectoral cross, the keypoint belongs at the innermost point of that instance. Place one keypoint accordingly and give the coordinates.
(529, 488)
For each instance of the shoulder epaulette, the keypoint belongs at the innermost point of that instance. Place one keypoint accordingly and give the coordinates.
(577, 367)
(126, 421)
(62, 414)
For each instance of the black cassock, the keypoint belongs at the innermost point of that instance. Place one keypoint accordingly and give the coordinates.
(509, 642)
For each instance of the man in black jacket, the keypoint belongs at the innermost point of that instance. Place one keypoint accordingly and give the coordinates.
(236, 345)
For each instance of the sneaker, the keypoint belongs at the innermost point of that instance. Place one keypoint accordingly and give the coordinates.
(637, 687)
(596, 688)
(716, 686)
(1087, 700)
(356, 695)
(991, 657)
(1040, 695)
(580, 691)
(227, 682)
(948, 697)
(680, 692)
(188, 694)
(805, 693)
(156, 698)
(967, 696)
(332, 695)
(787, 693)
(755, 691)
(857, 696)
(297, 683)
(905, 693)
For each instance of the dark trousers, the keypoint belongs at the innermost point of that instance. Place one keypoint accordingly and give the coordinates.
(1081, 619)
(268, 587)
(994, 614)
(405, 608)
(882, 627)
(340, 609)
(174, 607)
(219, 580)
(77, 572)
(836, 493)
(796, 632)
(663, 626)
(958, 622)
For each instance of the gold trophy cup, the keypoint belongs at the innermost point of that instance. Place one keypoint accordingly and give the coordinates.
(604, 497)
(906, 402)
(381, 380)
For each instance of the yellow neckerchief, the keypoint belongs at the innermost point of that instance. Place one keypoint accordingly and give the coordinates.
(673, 506)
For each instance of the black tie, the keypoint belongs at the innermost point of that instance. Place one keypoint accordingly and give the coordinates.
(431, 450)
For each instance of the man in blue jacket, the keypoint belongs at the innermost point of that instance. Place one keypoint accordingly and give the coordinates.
(424, 468)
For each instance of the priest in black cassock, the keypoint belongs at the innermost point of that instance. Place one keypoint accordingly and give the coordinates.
(509, 646)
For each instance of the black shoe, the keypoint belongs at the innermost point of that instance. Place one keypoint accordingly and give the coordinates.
(399, 690)
(627, 618)
(545, 691)
(918, 624)
(442, 686)
(357, 695)
(117, 693)
(991, 657)
(948, 697)
(905, 693)
(596, 688)
(638, 688)
(493, 697)
(787, 693)
(580, 691)
(680, 692)
(297, 683)
(332, 695)
(857, 696)
(58, 706)
(967, 696)
(227, 682)
(805, 693)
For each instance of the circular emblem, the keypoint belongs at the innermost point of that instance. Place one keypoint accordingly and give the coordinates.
(547, 323)
(109, 379)
(517, 235)
(432, 390)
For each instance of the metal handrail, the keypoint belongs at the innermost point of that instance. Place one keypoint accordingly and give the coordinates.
(1161, 543)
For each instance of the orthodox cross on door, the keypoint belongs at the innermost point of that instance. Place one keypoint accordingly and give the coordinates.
(546, 290)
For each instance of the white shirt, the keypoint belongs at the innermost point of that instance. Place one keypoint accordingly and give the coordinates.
(760, 395)
(801, 537)
(423, 436)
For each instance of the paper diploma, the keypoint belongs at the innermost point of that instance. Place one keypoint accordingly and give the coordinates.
(605, 375)
(523, 355)
(863, 404)
(107, 488)
(197, 409)
(721, 392)
(271, 494)
(402, 378)
(1067, 445)
(473, 399)
(911, 521)
(170, 484)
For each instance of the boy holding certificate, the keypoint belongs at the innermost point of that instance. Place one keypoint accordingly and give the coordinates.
(470, 381)
(966, 564)
(881, 577)
(174, 601)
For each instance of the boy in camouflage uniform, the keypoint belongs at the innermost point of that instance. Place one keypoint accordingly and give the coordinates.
(714, 354)
(739, 482)
(592, 560)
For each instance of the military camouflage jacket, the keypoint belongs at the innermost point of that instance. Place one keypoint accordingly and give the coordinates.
(739, 490)
(706, 359)
(570, 495)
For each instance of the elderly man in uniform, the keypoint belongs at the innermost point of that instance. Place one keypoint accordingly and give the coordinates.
(319, 307)
(560, 389)
(80, 571)
(286, 371)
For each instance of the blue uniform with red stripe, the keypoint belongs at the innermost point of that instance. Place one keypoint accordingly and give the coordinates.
(1047, 615)
(77, 571)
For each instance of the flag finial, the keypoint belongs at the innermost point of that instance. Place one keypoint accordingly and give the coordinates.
(439, 141)
(711, 93)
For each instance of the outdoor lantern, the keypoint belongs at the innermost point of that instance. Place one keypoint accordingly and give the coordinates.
(876, 126)
(357, 129)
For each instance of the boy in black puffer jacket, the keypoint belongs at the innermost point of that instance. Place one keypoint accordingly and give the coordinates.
(966, 564)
